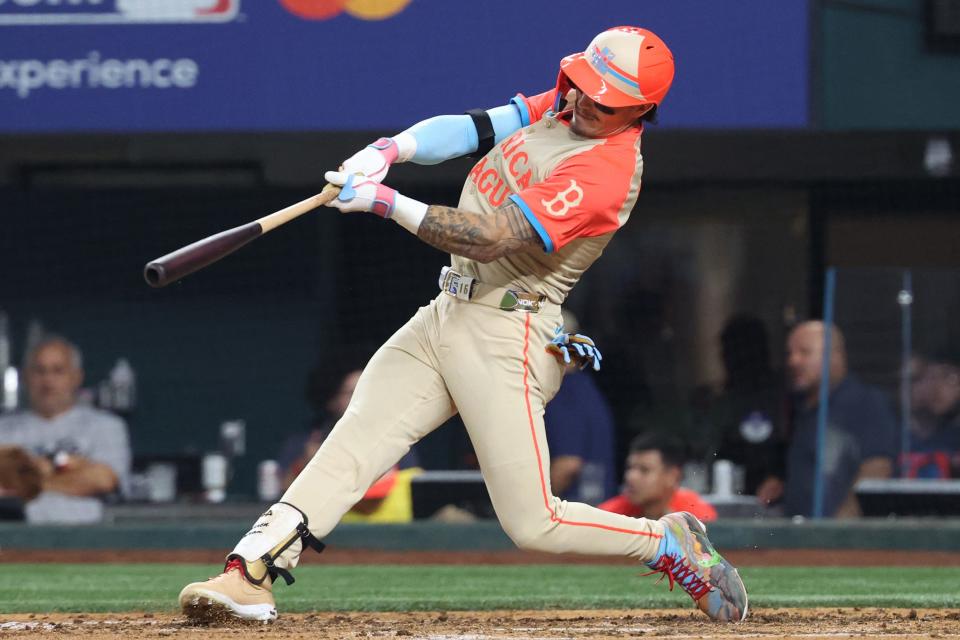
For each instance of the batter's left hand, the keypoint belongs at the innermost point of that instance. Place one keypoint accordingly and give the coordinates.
(576, 348)
(359, 193)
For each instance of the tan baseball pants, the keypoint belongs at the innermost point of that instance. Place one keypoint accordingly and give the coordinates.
(491, 366)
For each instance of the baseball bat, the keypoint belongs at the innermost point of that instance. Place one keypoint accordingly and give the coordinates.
(196, 256)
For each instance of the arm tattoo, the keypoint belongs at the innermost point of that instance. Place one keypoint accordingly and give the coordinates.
(478, 236)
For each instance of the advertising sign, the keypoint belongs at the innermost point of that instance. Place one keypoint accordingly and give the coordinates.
(276, 65)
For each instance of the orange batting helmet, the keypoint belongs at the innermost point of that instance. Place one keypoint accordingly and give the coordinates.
(622, 66)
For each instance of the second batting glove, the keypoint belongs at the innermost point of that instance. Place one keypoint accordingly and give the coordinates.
(374, 160)
(576, 347)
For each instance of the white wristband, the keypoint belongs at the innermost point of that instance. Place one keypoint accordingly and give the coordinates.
(408, 213)
(406, 146)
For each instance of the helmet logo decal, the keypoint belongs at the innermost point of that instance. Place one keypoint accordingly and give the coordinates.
(563, 202)
(602, 62)
(601, 59)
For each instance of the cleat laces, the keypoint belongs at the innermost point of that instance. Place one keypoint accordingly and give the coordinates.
(233, 563)
(680, 572)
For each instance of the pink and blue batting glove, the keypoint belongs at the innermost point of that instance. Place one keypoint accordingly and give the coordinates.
(374, 160)
(575, 348)
(360, 193)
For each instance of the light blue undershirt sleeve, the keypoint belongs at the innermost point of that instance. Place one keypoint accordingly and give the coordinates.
(444, 137)
(532, 219)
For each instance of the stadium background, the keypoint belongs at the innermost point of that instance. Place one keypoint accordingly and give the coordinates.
(800, 135)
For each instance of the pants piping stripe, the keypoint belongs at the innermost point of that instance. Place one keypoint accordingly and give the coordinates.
(536, 448)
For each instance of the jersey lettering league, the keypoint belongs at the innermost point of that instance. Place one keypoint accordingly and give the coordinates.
(575, 191)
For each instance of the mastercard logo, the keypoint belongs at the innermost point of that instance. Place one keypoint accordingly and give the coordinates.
(363, 9)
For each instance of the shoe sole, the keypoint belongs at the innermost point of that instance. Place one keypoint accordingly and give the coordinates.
(211, 607)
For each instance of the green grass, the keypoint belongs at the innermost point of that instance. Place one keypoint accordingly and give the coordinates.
(42, 588)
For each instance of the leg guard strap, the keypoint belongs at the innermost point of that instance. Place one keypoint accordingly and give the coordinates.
(275, 561)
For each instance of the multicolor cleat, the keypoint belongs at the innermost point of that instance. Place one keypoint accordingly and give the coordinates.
(687, 558)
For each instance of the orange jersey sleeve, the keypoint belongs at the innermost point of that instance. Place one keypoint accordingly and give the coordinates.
(533, 108)
(584, 196)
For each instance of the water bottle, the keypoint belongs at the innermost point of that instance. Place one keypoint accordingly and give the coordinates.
(213, 473)
(11, 388)
(11, 378)
(123, 387)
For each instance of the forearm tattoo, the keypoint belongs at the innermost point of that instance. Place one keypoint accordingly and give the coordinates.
(478, 236)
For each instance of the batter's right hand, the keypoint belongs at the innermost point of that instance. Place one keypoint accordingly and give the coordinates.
(374, 160)
(360, 193)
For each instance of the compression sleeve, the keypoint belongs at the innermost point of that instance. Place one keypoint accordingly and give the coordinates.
(444, 137)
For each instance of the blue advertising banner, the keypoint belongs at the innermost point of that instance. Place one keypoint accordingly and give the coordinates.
(275, 65)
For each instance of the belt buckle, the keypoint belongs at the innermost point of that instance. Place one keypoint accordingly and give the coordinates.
(516, 301)
(456, 284)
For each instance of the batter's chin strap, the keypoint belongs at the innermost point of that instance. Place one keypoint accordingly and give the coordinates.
(485, 133)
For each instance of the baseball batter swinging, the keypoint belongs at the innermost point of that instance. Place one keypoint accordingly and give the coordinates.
(559, 175)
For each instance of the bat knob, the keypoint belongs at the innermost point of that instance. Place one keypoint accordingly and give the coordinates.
(155, 275)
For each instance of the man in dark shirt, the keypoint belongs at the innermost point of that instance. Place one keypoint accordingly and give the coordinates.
(747, 417)
(935, 419)
(861, 428)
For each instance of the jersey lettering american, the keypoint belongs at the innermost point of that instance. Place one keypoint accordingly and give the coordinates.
(575, 191)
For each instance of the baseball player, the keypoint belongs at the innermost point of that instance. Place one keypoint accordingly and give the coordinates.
(559, 175)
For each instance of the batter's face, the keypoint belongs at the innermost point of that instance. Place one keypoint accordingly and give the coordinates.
(593, 120)
(647, 480)
(53, 380)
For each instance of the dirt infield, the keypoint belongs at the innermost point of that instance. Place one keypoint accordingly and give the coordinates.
(764, 558)
(494, 625)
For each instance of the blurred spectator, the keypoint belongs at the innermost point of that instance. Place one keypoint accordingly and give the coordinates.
(329, 389)
(580, 435)
(84, 453)
(651, 482)
(935, 419)
(747, 418)
(861, 439)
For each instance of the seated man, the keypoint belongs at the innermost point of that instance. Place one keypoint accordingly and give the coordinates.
(87, 451)
(651, 482)
(935, 419)
(747, 417)
(861, 433)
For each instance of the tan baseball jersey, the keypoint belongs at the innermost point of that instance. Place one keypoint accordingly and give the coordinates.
(575, 191)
